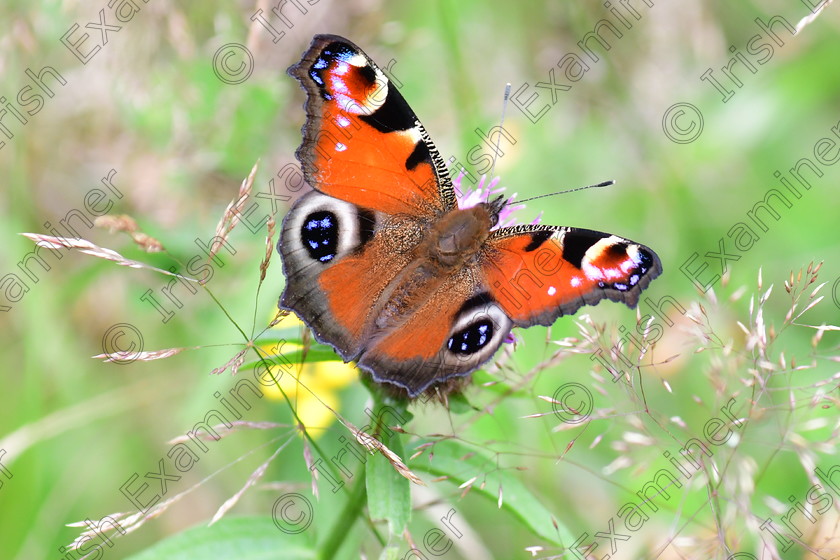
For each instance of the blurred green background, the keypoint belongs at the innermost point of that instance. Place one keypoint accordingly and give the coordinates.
(149, 105)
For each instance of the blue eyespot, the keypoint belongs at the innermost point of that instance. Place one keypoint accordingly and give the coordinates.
(471, 339)
(316, 77)
(319, 235)
(341, 51)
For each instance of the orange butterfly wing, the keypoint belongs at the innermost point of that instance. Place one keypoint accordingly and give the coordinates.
(538, 273)
(362, 142)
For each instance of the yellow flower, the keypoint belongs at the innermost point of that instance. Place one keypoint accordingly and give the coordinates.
(312, 387)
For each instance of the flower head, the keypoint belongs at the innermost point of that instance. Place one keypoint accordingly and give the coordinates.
(467, 198)
(313, 387)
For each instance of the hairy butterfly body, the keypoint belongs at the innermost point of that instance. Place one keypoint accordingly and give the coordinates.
(385, 267)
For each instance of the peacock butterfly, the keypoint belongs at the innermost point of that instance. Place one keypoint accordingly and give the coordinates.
(383, 264)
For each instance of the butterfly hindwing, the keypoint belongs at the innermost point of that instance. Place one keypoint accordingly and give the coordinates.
(456, 329)
(362, 143)
(328, 247)
(538, 273)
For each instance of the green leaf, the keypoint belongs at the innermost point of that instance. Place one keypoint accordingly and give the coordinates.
(243, 538)
(460, 463)
(313, 355)
(391, 550)
(389, 494)
(458, 404)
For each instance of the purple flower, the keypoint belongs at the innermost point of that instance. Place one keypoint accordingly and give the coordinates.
(467, 198)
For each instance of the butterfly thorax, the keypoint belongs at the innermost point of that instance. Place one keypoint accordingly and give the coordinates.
(458, 235)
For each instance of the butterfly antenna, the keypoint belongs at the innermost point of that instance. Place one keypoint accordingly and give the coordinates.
(602, 184)
(499, 139)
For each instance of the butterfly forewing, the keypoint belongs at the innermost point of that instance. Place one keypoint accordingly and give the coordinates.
(539, 273)
(362, 142)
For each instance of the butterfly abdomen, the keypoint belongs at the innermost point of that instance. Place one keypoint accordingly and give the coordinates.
(448, 249)
(412, 286)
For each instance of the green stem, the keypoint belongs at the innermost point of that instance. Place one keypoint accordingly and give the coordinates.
(357, 499)
(345, 520)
